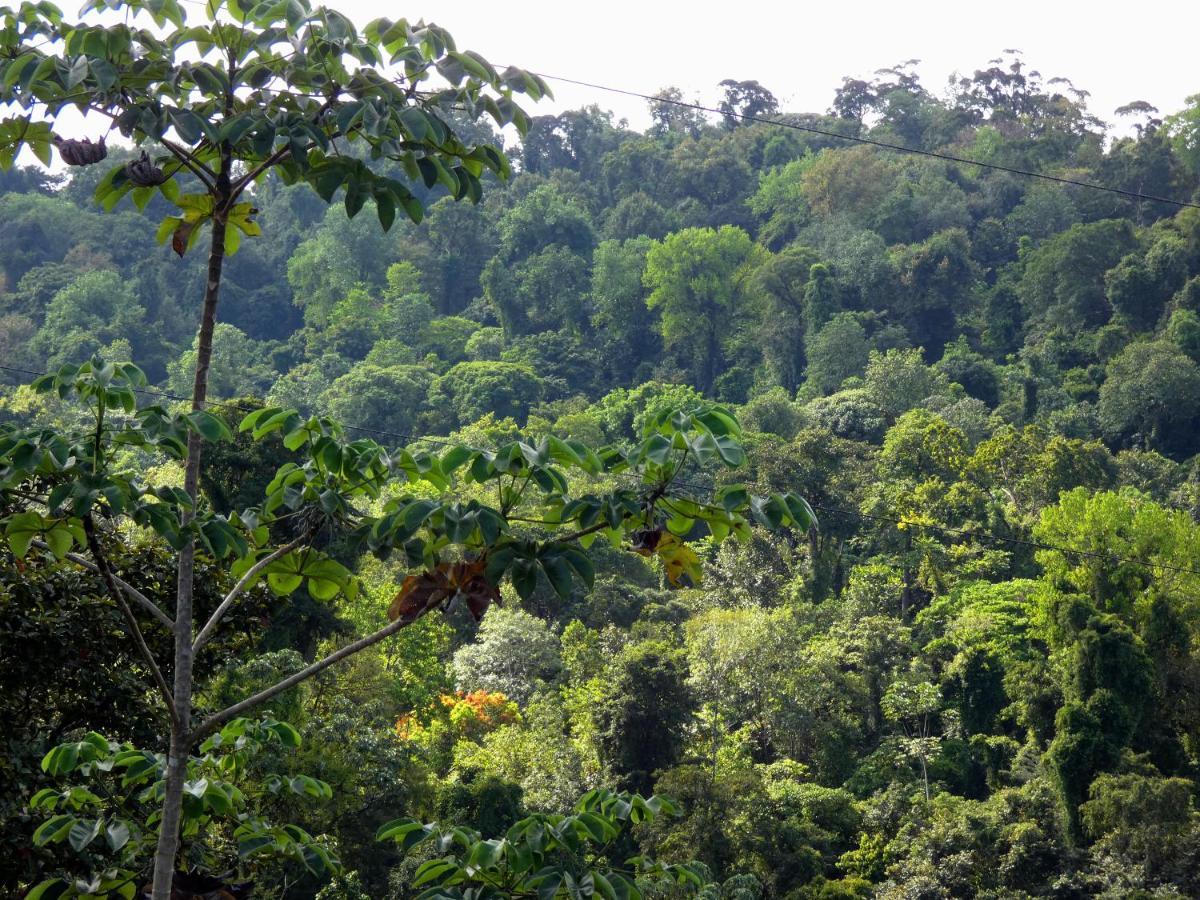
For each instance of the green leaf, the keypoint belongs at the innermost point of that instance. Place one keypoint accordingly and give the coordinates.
(322, 589)
(248, 846)
(802, 514)
(59, 539)
(207, 425)
(408, 833)
(656, 449)
(53, 830)
(21, 531)
(117, 835)
(284, 583)
(434, 869)
(485, 854)
(50, 889)
(83, 832)
(524, 578)
(61, 760)
(558, 573)
(581, 563)
(288, 735)
(44, 798)
(15, 69)
(236, 128)
(732, 498)
(78, 72)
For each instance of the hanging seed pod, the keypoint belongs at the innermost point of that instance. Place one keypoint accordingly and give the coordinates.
(645, 540)
(142, 172)
(80, 153)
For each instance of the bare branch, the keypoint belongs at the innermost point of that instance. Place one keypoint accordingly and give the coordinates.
(197, 168)
(215, 721)
(242, 183)
(118, 597)
(133, 593)
(238, 589)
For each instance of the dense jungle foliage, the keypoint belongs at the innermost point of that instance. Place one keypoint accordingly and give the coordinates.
(978, 677)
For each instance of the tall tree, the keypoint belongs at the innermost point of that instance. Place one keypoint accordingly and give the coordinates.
(745, 98)
(697, 278)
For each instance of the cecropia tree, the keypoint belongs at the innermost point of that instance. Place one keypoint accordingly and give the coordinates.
(460, 523)
(216, 102)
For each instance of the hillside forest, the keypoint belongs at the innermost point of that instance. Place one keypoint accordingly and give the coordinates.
(975, 674)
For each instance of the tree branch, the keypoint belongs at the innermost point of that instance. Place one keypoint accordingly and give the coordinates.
(133, 593)
(197, 168)
(591, 529)
(238, 589)
(119, 598)
(216, 720)
(242, 183)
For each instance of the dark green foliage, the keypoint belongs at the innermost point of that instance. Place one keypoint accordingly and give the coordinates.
(643, 712)
(478, 801)
(471, 389)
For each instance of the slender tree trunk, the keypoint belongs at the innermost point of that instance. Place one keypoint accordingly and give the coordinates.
(181, 737)
(906, 592)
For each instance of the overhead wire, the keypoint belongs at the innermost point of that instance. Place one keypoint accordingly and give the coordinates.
(829, 133)
(706, 488)
(884, 145)
(823, 132)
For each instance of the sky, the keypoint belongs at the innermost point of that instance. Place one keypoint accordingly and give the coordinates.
(1120, 52)
(800, 51)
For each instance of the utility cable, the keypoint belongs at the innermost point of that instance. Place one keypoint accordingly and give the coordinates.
(872, 142)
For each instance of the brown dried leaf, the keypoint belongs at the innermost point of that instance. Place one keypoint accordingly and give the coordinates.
(427, 590)
(179, 240)
(645, 540)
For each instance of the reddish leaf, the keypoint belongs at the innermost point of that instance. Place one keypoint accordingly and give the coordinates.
(645, 540)
(427, 590)
(179, 240)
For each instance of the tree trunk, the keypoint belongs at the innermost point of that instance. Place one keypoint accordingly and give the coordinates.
(180, 743)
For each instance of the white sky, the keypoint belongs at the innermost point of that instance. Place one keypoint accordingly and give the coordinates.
(1120, 51)
(800, 51)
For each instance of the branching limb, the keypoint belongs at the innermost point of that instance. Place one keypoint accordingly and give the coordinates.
(118, 597)
(576, 535)
(129, 590)
(215, 721)
(197, 168)
(240, 588)
(246, 180)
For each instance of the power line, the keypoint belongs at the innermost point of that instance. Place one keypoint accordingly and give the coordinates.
(823, 132)
(838, 511)
(885, 145)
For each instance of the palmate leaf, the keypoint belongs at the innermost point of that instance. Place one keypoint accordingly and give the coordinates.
(324, 578)
(424, 591)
